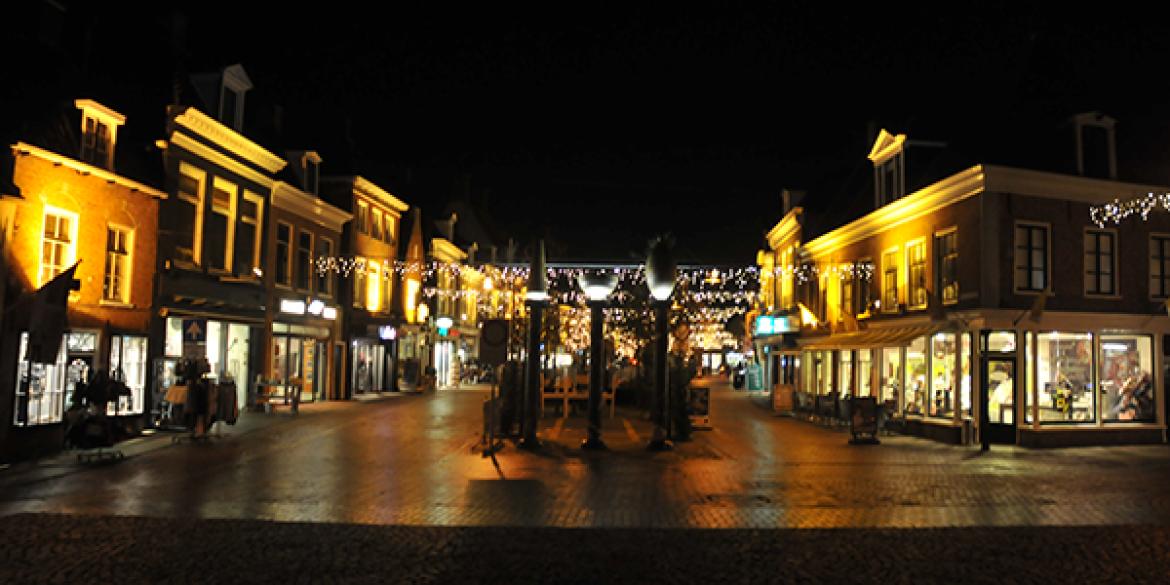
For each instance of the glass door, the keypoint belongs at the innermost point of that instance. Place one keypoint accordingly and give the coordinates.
(999, 394)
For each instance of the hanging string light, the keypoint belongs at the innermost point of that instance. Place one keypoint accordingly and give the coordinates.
(1117, 211)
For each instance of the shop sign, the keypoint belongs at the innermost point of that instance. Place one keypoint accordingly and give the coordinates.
(775, 325)
(755, 377)
(194, 338)
(387, 332)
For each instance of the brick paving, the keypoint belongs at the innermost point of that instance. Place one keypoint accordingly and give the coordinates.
(398, 491)
(72, 549)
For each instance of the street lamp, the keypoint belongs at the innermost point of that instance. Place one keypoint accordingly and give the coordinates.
(661, 272)
(535, 298)
(597, 285)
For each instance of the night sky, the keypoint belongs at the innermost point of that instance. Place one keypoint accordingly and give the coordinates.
(600, 128)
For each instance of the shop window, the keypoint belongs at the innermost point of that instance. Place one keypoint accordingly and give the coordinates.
(890, 280)
(891, 375)
(865, 372)
(251, 228)
(1127, 384)
(221, 225)
(943, 349)
(1032, 248)
(1001, 342)
(116, 286)
(128, 365)
(40, 388)
(1029, 362)
(1064, 377)
(845, 373)
(965, 381)
(947, 252)
(915, 385)
(58, 243)
(304, 268)
(916, 272)
(283, 254)
(1100, 262)
(187, 218)
(1001, 391)
(324, 277)
(1160, 267)
(173, 345)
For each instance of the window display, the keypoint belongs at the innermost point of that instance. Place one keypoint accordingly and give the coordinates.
(942, 375)
(915, 384)
(965, 382)
(40, 388)
(891, 374)
(128, 365)
(1001, 341)
(1029, 376)
(845, 376)
(1064, 377)
(865, 372)
(1127, 388)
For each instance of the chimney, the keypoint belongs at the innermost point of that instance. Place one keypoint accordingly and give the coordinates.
(791, 198)
(492, 253)
(451, 227)
(471, 250)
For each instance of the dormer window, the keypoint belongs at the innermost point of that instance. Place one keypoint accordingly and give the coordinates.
(1096, 145)
(889, 168)
(231, 97)
(311, 164)
(99, 131)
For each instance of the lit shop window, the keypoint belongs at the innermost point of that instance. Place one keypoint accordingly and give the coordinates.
(1127, 384)
(915, 377)
(891, 373)
(942, 375)
(1064, 377)
(128, 364)
(865, 372)
(40, 388)
(846, 373)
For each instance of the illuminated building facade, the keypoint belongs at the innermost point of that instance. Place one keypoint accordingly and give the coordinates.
(987, 286)
(371, 297)
(70, 204)
(304, 314)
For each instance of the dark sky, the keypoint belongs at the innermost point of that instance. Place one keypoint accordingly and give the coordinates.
(599, 128)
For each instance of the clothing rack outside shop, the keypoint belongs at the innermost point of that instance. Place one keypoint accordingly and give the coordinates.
(195, 403)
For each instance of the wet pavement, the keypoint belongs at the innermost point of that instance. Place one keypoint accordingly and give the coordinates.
(397, 490)
(416, 460)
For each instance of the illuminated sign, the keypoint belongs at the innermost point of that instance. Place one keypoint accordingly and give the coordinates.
(387, 332)
(776, 325)
(292, 307)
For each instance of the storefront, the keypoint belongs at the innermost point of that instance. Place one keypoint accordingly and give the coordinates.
(412, 356)
(226, 344)
(1065, 386)
(301, 341)
(374, 363)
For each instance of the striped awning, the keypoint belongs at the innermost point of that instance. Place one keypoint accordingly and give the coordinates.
(876, 337)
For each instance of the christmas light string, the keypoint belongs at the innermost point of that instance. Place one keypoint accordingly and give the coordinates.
(1117, 211)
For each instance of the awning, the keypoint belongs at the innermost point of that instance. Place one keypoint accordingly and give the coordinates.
(871, 338)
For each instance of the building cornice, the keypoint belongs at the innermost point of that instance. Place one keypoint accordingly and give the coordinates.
(1058, 186)
(216, 157)
(381, 195)
(785, 228)
(106, 114)
(86, 169)
(289, 198)
(925, 201)
(235, 143)
(445, 251)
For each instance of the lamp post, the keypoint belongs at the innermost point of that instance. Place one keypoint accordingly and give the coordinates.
(661, 273)
(535, 298)
(597, 287)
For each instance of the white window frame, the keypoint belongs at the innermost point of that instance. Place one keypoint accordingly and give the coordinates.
(911, 286)
(328, 278)
(1016, 284)
(70, 248)
(1165, 277)
(1112, 232)
(291, 254)
(891, 252)
(311, 275)
(233, 191)
(257, 223)
(938, 265)
(125, 277)
(200, 177)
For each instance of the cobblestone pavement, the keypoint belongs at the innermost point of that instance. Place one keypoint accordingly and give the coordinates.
(89, 549)
(415, 461)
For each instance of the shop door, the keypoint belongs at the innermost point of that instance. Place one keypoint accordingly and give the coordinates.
(999, 394)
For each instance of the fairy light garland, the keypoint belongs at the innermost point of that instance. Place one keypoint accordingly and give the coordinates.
(1117, 211)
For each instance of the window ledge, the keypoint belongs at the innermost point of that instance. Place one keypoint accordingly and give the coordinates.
(1103, 297)
(1032, 293)
(115, 304)
(242, 279)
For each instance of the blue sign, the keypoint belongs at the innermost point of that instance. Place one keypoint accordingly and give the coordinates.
(194, 330)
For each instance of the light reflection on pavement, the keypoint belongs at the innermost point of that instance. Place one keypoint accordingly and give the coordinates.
(415, 460)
